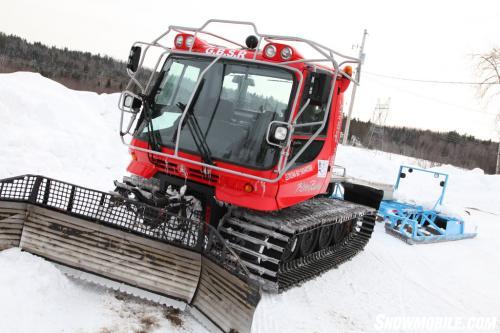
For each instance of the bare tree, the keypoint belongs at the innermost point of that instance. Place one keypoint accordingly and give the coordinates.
(498, 133)
(3, 61)
(488, 66)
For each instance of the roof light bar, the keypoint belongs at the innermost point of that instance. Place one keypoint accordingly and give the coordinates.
(280, 52)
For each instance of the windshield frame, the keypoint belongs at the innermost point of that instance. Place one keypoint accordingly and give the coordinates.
(287, 115)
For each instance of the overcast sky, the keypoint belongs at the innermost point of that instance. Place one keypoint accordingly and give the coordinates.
(430, 40)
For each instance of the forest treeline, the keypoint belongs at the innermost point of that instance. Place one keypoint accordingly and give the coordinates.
(74, 69)
(86, 71)
(445, 148)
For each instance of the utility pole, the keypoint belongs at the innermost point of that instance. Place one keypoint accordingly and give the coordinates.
(353, 95)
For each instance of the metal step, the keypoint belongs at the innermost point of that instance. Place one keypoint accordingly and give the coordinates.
(255, 228)
(249, 238)
(258, 255)
(259, 269)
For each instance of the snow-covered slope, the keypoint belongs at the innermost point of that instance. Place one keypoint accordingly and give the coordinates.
(61, 133)
(36, 297)
(50, 130)
(466, 188)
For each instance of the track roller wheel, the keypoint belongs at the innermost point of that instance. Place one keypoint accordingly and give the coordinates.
(325, 237)
(308, 242)
(338, 233)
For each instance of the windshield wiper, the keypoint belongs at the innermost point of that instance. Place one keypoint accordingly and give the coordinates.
(148, 116)
(194, 127)
(148, 113)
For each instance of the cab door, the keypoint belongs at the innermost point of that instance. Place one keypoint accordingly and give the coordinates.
(309, 175)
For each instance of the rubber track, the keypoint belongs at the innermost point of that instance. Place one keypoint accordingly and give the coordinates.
(306, 268)
(310, 215)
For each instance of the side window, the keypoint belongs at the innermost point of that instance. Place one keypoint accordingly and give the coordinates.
(230, 87)
(255, 92)
(178, 84)
(188, 83)
(309, 154)
(164, 96)
(312, 114)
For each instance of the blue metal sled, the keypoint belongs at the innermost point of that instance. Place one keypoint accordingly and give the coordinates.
(413, 223)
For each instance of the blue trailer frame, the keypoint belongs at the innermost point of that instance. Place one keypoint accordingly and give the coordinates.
(413, 223)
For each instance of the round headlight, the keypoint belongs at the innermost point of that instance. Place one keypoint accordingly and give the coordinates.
(286, 53)
(178, 41)
(270, 51)
(189, 41)
(280, 133)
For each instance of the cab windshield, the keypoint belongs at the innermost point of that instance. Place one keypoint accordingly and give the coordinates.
(231, 114)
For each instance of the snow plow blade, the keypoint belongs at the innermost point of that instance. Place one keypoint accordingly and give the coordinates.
(84, 230)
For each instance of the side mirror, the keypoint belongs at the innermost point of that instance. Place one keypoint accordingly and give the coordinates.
(320, 86)
(130, 102)
(277, 133)
(133, 58)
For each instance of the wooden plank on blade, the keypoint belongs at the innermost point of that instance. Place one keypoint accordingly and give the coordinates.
(16, 219)
(18, 213)
(112, 253)
(14, 207)
(226, 299)
(12, 227)
(74, 257)
(114, 272)
(95, 250)
(86, 236)
(11, 236)
(6, 244)
(10, 230)
(119, 234)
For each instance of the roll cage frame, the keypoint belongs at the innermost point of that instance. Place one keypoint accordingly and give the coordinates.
(327, 55)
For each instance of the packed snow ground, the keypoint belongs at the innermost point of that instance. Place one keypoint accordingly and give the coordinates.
(50, 130)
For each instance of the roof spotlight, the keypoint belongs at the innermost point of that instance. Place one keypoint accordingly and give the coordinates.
(286, 53)
(270, 51)
(178, 41)
(189, 41)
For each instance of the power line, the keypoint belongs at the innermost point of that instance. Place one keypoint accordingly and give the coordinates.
(429, 81)
(436, 100)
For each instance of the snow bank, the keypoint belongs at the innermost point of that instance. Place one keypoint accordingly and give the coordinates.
(36, 297)
(466, 188)
(66, 134)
